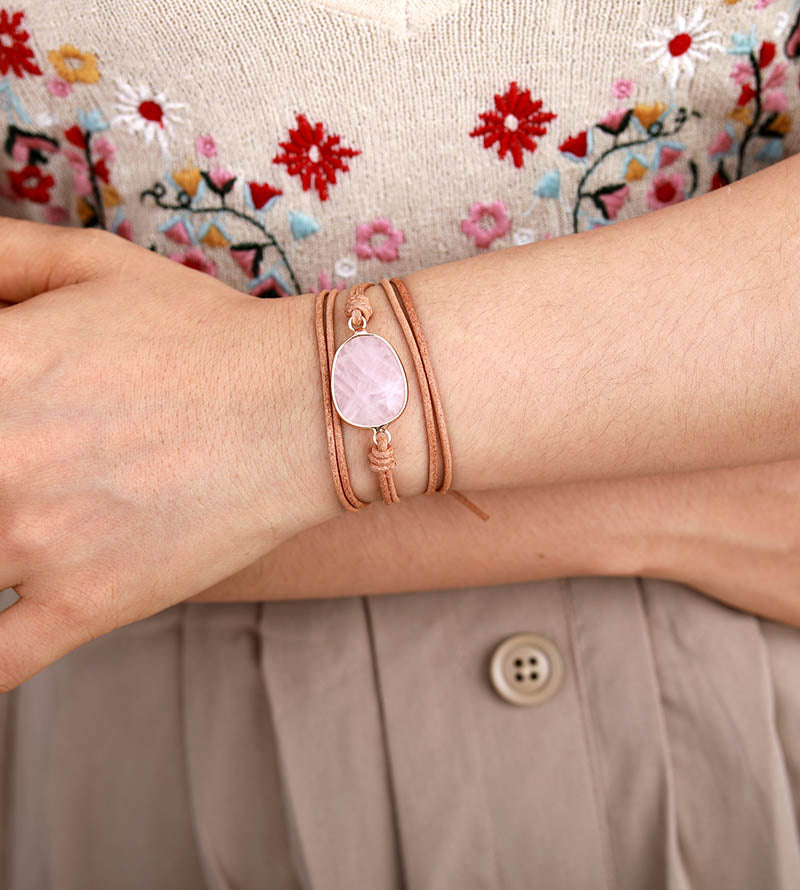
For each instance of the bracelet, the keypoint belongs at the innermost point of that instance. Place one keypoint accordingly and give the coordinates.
(364, 383)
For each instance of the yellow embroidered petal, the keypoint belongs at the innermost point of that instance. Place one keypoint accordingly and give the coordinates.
(85, 72)
(781, 123)
(742, 115)
(188, 179)
(85, 211)
(214, 238)
(111, 197)
(649, 114)
(731, 2)
(636, 170)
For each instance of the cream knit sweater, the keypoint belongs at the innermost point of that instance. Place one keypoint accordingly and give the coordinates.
(285, 145)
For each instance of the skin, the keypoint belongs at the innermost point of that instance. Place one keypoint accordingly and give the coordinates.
(162, 432)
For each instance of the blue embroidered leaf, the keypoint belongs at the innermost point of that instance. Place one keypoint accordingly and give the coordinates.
(743, 44)
(10, 103)
(302, 225)
(549, 186)
(93, 120)
(771, 150)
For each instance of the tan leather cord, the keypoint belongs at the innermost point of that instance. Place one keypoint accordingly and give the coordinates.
(323, 323)
(435, 427)
(381, 455)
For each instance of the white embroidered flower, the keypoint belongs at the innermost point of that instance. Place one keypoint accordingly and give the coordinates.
(144, 111)
(345, 267)
(523, 236)
(678, 47)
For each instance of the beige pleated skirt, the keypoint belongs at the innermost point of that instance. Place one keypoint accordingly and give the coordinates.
(361, 743)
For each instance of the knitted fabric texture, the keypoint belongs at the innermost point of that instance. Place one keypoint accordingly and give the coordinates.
(241, 140)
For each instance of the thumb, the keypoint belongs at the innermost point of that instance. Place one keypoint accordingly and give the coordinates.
(36, 258)
(32, 636)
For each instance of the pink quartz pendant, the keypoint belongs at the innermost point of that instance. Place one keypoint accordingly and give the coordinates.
(368, 382)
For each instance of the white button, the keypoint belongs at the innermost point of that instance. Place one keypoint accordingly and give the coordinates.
(526, 669)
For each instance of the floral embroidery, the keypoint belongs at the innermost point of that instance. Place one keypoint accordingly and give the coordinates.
(678, 47)
(512, 123)
(760, 106)
(206, 146)
(386, 249)
(15, 54)
(205, 194)
(144, 111)
(31, 183)
(622, 89)
(314, 155)
(58, 87)
(61, 59)
(792, 44)
(668, 188)
(269, 287)
(642, 136)
(194, 258)
(486, 222)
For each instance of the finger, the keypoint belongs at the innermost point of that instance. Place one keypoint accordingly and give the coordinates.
(35, 258)
(33, 636)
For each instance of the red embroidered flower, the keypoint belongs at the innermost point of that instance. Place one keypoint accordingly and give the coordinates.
(512, 124)
(15, 54)
(262, 193)
(314, 156)
(31, 183)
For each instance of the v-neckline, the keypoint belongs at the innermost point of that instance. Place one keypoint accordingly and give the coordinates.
(403, 17)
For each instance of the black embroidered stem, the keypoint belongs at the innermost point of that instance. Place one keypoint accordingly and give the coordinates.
(100, 210)
(748, 133)
(681, 119)
(158, 194)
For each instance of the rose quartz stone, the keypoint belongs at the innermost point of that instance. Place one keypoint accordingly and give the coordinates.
(368, 381)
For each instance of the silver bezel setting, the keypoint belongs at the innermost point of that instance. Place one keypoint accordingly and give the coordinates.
(365, 333)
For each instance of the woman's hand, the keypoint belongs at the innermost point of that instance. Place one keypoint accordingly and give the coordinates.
(732, 533)
(149, 429)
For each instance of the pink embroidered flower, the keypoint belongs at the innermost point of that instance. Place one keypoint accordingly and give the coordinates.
(486, 222)
(777, 76)
(105, 149)
(55, 214)
(314, 155)
(58, 87)
(611, 200)
(221, 177)
(194, 258)
(775, 100)
(667, 189)
(324, 282)
(206, 146)
(24, 145)
(15, 54)
(741, 72)
(614, 118)
(385, 249)
(722, 144)
(622, 88)
(512, 123)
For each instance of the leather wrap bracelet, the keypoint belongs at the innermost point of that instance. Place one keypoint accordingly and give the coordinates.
(365, 385)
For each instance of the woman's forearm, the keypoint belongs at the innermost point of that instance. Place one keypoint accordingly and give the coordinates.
(430, 543)
(662, 343)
